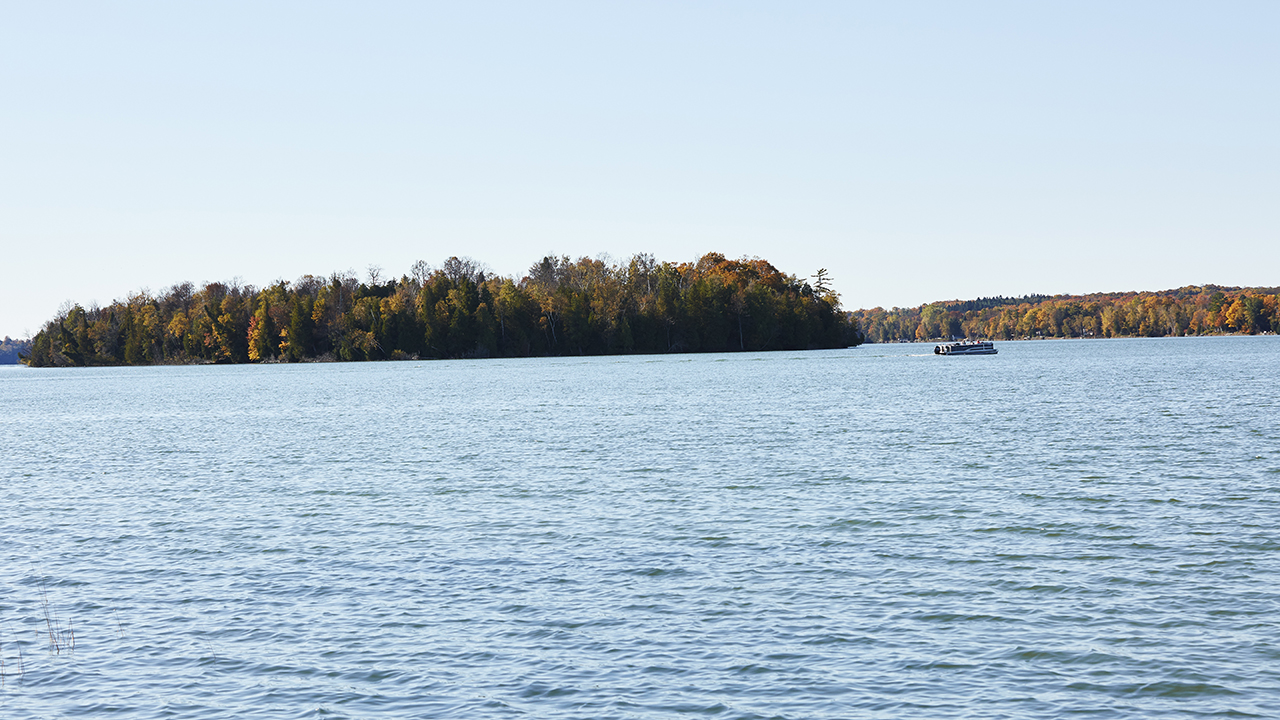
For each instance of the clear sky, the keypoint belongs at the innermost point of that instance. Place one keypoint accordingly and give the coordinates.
(918, 150)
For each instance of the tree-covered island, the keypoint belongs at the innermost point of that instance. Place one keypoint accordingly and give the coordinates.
(561, 307)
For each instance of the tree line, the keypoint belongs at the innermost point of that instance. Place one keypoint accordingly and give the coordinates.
(458, 310)
(1191, 310)
(11, 350)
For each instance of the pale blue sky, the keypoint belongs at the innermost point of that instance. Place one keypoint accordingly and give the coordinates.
(918, 150)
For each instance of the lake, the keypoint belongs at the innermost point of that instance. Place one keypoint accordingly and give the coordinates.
(1068, 528)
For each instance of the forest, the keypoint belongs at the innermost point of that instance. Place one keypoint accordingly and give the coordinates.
(1191, 310)
(561, 307)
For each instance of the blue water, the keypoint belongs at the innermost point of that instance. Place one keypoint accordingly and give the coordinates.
(1066, 529)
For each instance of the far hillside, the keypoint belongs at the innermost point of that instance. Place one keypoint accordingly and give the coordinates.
(1191, 310)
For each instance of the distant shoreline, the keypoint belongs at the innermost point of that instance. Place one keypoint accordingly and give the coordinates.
(1115, 337)
(1192, 310)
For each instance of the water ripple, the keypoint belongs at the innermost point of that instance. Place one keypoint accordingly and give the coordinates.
(1074, 528)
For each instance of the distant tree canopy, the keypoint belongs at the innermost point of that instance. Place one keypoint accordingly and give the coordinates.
(12, 350)
(1192, 310)
(562, 307)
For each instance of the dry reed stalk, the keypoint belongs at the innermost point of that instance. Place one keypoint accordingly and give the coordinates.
(5, 672)
(60, 638)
